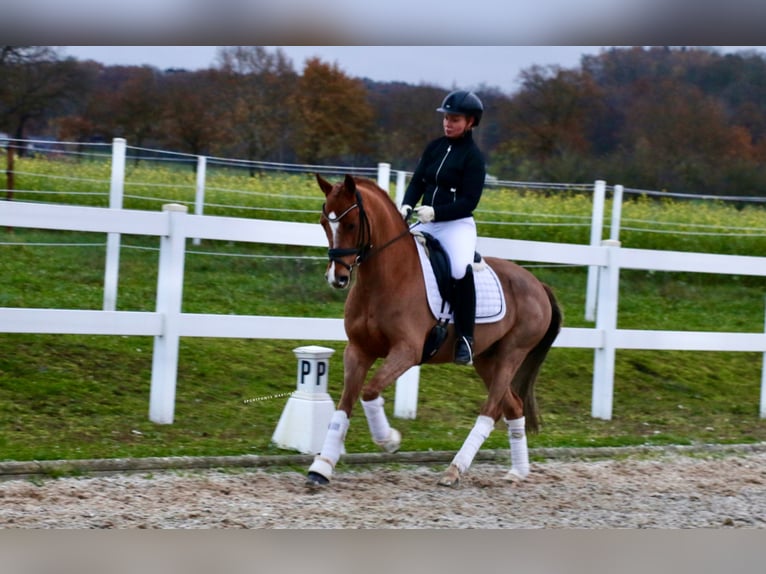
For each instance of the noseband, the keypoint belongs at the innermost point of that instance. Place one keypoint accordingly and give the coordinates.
(364, 248)
(363, 240)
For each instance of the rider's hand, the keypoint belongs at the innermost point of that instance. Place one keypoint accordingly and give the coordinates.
(406, 211)
(425, 213)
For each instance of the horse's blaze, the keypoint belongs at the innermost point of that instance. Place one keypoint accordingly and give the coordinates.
(336, 275)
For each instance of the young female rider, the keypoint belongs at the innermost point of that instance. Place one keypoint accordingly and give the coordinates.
(449, 178)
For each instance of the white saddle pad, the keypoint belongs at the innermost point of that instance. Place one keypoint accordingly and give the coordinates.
(490, 301)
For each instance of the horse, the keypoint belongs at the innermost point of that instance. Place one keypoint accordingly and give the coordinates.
(387, 317)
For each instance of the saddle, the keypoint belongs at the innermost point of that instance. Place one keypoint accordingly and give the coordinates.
(440, 264)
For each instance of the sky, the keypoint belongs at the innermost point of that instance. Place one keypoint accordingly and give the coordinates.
(449, 67)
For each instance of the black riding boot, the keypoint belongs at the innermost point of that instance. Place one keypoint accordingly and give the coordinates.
(465, 316)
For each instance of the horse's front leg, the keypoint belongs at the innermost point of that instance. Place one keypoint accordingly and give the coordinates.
(396, 363)
(356, 364)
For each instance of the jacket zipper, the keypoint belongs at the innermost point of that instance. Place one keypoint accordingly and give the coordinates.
(436, 177)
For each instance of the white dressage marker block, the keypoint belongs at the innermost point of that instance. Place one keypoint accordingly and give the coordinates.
(303, 424)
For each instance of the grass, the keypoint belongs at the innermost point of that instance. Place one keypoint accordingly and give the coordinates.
(66, 396)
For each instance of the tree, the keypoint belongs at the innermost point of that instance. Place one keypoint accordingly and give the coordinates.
(35, 84)
(192, 118)
(406, 120)
(124, 102)
(255, 84)
(548, 124)
(679, 137)
(333, 121)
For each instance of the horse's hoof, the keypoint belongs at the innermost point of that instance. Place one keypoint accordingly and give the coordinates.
(314, 479)
(451, 477)
(392, 443)
(515, 475)
(319, 473)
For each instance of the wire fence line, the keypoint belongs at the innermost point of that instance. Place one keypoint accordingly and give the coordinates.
(705, 197)
(128, 246)
(100, 151)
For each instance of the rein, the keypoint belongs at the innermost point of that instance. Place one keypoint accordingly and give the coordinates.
(364, 249)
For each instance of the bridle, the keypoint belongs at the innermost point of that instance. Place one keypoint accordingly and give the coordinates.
(364, 249)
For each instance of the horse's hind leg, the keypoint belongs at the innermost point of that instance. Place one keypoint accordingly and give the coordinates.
(501, 400)
(513, 415)
(464, 457)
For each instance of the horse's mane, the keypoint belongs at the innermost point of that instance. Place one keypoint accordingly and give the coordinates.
(374, 187)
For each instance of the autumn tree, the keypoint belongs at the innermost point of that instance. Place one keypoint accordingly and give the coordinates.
(406, 120)
(192, 114)
(256, 85)
(679, 138)
(548, 124)
(332, 119)
(124, 102)
(35, 84)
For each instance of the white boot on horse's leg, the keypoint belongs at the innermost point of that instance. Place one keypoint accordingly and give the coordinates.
(321, 469)
(383, 435)
(517, 437)
(463, 459)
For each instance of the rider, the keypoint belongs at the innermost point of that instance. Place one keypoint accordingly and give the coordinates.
(449, 178)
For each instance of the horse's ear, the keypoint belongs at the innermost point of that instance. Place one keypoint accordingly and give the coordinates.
(324, 184)
(349, 184)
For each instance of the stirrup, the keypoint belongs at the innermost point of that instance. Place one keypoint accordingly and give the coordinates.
(463, 351)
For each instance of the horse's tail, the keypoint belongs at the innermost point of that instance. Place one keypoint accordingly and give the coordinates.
(523, 383)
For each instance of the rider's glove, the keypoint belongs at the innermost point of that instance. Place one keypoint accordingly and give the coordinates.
(425, 213)
(406, 212)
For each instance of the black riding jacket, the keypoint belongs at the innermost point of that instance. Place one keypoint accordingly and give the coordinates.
(449, 177)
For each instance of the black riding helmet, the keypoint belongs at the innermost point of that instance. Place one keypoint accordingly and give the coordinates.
(466, 103)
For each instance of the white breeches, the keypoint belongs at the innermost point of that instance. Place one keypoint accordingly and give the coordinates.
(458, 238)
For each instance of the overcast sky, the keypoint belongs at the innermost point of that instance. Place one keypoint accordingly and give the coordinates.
(445, 66)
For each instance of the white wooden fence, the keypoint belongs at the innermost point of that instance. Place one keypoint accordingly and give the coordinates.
(167, 324)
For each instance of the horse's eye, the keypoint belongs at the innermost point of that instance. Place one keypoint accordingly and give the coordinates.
(349, 226)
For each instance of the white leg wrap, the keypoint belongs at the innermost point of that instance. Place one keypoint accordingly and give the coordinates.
(517, 437)
(376, 419)
(472, 444)
(333, 445)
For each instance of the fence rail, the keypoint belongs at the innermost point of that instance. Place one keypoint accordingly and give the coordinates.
(167, 324)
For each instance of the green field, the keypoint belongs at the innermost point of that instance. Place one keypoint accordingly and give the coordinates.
(87, 396)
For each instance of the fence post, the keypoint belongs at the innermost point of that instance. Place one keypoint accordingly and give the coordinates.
(763, 384)
(400, 189)
(406, 397)
(614, 228)
(116, 191)
(199, 196)
(169, 296)
(9, 171)
(606, 322)
(384, 176)
(596, 225)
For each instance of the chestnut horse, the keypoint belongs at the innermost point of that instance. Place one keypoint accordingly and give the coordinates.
(387, 316)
